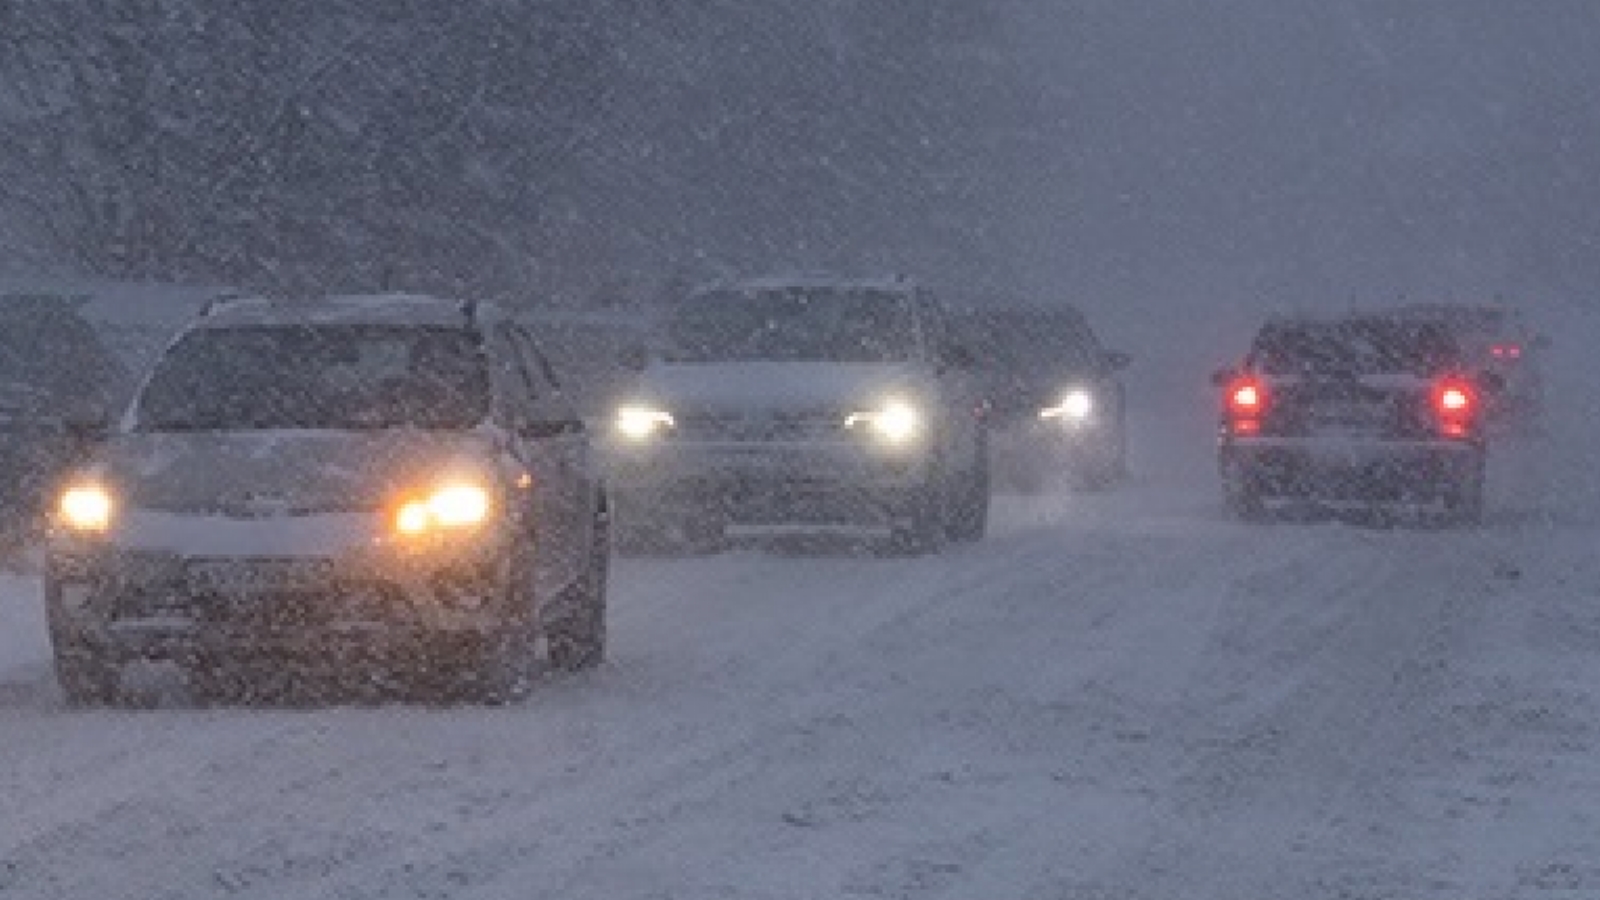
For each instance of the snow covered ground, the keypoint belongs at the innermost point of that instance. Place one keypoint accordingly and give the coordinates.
(1114, 697)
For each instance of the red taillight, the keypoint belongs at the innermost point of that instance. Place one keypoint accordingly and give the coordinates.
(1247, 402)
(1506, 351)
(1455, 403)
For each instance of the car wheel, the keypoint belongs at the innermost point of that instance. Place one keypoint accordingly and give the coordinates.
(970, 519)
(921, 527)
(575, 638)
(1465, 501)
(88, 675)
(1241, 494)
(497, 666)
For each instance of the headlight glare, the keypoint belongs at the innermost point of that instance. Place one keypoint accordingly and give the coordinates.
(1077, 405)
(895, 422)
(639, 423)
(452, 507)
(86, 508)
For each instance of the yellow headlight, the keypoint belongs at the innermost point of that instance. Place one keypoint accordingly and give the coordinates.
(450, 507)
(638, 423)
(896, 422)
(86, 507)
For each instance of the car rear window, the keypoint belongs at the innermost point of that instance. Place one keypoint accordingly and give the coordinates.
(1353, 347)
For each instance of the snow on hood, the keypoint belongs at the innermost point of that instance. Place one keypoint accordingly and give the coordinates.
(776, 386)
(267, 473)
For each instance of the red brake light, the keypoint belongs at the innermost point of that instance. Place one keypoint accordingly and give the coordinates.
(1246, 403)
(1455, 402)
(1506, 351)
(1246, 398)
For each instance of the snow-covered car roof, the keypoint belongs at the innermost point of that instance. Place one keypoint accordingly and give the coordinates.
(356, 309)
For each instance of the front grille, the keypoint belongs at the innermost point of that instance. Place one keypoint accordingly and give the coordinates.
(760, 427)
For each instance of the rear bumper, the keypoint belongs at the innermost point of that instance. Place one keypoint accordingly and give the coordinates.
(1358, 470)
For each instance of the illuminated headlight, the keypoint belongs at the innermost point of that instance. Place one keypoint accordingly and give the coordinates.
(1077, 405)
(453, 507)
(640, 423)
(85, 508)
(895, 422)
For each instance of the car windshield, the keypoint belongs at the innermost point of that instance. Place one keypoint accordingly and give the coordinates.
(322, 377)
(1353, 347)
(1026, 344)
(810, 324)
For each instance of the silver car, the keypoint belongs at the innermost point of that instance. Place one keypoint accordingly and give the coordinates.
(386, 484)
(811, 402)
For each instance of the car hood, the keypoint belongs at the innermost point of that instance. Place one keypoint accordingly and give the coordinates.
(777, 386)
(262, 474)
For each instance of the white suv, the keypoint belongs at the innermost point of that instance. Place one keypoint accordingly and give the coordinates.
(803, 401)
(369, 482)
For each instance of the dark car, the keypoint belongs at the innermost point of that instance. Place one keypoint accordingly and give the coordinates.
(59, 382)
(387, 484)
(1056, 404)
(1372, 409)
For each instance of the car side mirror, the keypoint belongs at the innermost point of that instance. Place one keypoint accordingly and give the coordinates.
(1224, 376)
(87, 426)
(1116, 360)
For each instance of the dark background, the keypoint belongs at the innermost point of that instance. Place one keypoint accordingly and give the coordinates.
(1144, 159)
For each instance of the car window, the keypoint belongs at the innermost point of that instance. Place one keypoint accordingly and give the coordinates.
(1353, 347)
(327, 376)
(800, 324)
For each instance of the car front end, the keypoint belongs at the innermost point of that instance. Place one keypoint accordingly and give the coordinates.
(847, 450)
(157, 552)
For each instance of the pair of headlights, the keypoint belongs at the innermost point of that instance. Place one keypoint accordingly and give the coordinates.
(893, 422)
(90, 508)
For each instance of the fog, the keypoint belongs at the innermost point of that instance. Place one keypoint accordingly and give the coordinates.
(1134, 155)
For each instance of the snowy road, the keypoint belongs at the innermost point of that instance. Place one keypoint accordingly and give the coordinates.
(1117, 696)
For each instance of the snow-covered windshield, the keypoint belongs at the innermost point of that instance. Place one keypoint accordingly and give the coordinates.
(1029, 344)
(809, 324)
(323, 377)
(1353, 347)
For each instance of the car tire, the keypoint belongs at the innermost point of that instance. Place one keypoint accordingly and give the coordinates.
(575, 639)
(1465, 501)
(497, 666)
(923, 525)
(970, 517)
(1241, 494)
(87, 675)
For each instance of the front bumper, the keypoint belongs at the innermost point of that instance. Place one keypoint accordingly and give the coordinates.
(371, 602)
(771, 482)
(1353, 470)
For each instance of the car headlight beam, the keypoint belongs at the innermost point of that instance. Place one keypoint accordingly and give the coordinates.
(1076, 406)
(86, 508)
(452, 507)
(895, 422)
(638, 422)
